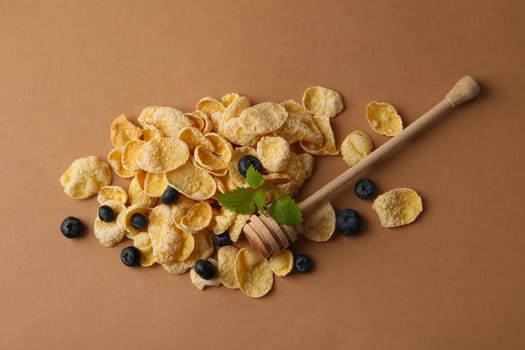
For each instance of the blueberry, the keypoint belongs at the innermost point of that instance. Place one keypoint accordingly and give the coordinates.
(138, 221)
(106, 213)
(222, 239)
(71, 227)
(365, 189)
(348, 222)
(130, 256)
(205, 269)
(170, 195)
(245, 162)
(302, 263)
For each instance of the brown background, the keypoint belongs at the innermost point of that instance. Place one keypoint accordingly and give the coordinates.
(454, 279)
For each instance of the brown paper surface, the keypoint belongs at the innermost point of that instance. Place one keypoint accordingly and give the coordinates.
(452, 280)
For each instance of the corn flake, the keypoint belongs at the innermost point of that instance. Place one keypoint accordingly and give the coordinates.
(169, 121)
(198, 217)
(328, 146)
(165, 237)
(282, 262)
(108, 193)
(192, 181)
(115, 160)
(229, 98)
(319, 100)
(300, 125)
(356, 146)
(129, 154)
(226, 264)
(383, 118)
(137, 195)
(263, 118)
(155, 184)
(143, 244)
(202, 283)
(253, 272)
(319, 223)
(110, 233)
(85, 177)
(125, 219)
(273, 152)
(161, 155)
(398, 207)
(122, 131)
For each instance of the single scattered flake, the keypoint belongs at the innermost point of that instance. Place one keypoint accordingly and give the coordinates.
(273, 152)
(202, 283)
(282, 262)
(383, 118)
(108, 193)
(319, 223)
(122, 131)
(398, 207)
(356, 146)
(110, 233)
(226, 264)
(162, 155)
(319, 100)
(253, 272)
(85, 177)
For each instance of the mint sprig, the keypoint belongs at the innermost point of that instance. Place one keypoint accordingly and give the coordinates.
(283, 210)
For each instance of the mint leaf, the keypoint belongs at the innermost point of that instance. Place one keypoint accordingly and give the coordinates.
(240, 200)
(285, 211)
(258, 198)
(253, 177)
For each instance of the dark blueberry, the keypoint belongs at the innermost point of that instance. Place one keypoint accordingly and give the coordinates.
(348, 222)
(138, 221)
(106, 213)
(170, 195)
(71, 227)
(302, 263)
(245, 162)
(130, 256)
(365, 189)
(222, 239)
(205, 269)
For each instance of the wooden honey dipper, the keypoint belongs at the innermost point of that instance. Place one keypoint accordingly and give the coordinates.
(268, 237)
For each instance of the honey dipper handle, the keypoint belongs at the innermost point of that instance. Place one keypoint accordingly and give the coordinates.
(465, 89)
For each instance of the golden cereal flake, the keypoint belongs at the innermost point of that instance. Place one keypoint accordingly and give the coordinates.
(397, 207)
(226, 264)
(85, 177)
(273, 152)
(319, 100)
(162, 155)
(110, 233)
(108, 193)
(282, 262)
(383, 118)
(356, 146)
(319, 223)
(192, 181)
(122, 131)
(253, 272)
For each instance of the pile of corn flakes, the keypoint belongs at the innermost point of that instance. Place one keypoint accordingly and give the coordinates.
(197, 153)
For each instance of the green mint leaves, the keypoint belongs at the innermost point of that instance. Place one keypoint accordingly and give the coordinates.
(283, 210)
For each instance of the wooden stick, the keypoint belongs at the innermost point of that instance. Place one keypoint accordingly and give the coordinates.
(465, 89)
